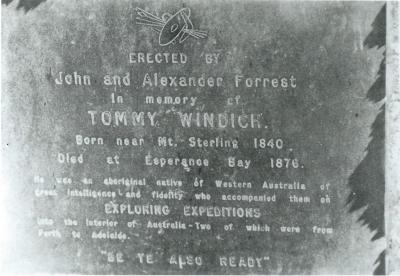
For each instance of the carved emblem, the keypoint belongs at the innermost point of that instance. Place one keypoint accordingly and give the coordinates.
(171, 28)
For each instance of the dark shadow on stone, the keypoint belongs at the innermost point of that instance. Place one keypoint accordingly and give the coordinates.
(377, 91)
(380, 269)
(26, 5)
(377, 37)
(6, 2)
(367, 182)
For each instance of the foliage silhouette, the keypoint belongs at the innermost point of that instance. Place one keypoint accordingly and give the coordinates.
(367, 183)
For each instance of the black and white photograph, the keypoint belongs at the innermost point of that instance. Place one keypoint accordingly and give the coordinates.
(199, 137)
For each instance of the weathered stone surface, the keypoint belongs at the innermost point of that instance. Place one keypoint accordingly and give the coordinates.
(57, 132)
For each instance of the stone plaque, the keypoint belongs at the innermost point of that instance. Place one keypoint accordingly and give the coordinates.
(193, 137)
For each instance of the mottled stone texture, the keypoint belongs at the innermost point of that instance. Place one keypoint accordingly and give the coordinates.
(326, 120)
